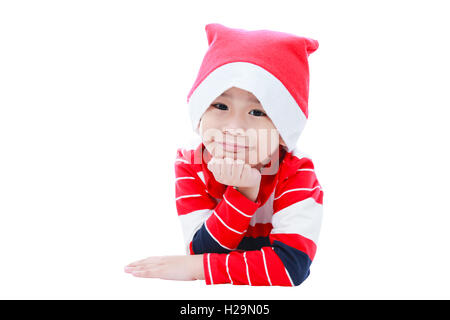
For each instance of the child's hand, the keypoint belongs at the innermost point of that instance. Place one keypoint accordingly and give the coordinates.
(234, 172)
(188, 267)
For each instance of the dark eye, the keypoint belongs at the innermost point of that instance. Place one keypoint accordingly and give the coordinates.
(220, 106)
(259, 113)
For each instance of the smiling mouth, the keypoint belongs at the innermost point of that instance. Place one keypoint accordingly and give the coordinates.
(232, 147)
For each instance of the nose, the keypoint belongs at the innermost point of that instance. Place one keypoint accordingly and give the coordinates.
(235, 136)
(234, 131)
(234, 125)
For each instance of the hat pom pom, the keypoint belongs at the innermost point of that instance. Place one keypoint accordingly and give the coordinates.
(311, 45)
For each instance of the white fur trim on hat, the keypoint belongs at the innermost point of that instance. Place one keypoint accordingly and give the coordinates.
(276, 100)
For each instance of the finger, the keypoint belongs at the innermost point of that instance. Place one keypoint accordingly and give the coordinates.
(136, 268)
(222, 168)
(143, 274)
(218, 167)
(136, 263)
(149, 260)
(217, 151)
(237, 169)
(153, 272)
(226, 167)
(209, 164)
(212, 165)
(246, 172)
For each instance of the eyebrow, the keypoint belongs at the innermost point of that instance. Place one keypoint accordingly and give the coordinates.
(249, 98)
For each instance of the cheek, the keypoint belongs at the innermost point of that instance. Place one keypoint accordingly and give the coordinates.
(267, 140)
(204, 124)
(208, 121)
(266, 145)
(209, 133)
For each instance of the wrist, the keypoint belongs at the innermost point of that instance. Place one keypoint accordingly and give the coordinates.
(250, 193)
(199, 273)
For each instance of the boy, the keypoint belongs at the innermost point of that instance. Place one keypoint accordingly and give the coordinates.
(249, 201)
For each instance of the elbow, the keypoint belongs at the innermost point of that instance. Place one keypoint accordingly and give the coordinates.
(202, 242)
(299, 276)
(296, 262)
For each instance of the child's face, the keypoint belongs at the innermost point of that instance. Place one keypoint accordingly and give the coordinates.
(237, 117)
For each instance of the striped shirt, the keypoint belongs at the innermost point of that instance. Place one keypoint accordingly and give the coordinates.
(267, 242)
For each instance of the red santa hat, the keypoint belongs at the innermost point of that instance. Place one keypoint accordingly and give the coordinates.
(271, 65)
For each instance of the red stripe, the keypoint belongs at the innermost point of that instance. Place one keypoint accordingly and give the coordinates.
(206, 268)
(238, 270)
(296, 241)
(218, 268)
(236, 266)
(295, 196)
(256, 268)
(222, 234)
(231, 217)
(186, 187)
(259, 230)
(276, 269)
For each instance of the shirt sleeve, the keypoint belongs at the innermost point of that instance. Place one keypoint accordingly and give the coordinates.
(224, 229)
(209, 226)
(296, 222)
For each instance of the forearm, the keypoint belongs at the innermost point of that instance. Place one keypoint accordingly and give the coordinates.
(198, 267)
(276, 265)
(250, 193)
(225, 228)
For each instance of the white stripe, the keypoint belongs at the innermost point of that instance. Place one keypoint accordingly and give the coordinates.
(206, 227)
(245, 215)
(265, 265)
(246, 268)
(191, 222)
(182, 178)
(303, 217)
(228, 271)
(261, 83)
(182, 160)
(264, 213)
(188, 196)
(312, 170)
(296, 189)
(209, 269)
(201, 176)
(227, 225)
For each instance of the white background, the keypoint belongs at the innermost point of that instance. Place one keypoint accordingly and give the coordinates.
(93, 107)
